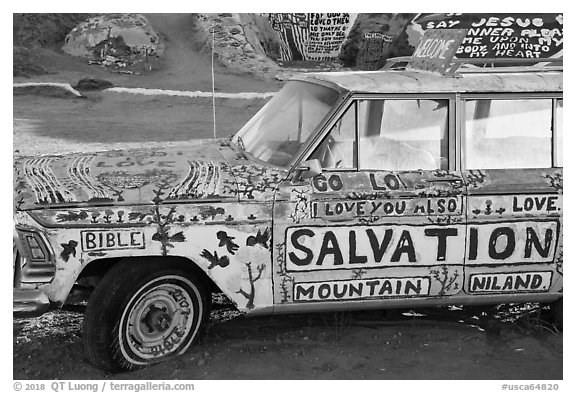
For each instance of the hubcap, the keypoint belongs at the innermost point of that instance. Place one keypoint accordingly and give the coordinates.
(159, 320)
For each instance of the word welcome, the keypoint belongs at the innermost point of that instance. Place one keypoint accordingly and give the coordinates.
(362, 289)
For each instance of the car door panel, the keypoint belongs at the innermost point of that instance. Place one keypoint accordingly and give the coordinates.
(514, 230)
(369, 236)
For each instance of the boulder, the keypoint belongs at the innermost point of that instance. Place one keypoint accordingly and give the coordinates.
(112, 35)
(87, 84)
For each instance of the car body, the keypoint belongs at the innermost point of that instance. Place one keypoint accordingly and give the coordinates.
(348, 190)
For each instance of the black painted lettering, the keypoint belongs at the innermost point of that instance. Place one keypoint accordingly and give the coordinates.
(515, 207)
(452, 205)
(374, 184)
(473, 244)
(536, 281)
(478, 283)
(386, 288)
(335, 183)
(392, 182)
(355, 290)
(372, 284)
(89, 240)
(379, 248)
(441, 234)
(441, 205)
(110, 240)
(340, 294)
(494, 286)
(510, 240)
(338, 208)
(330, 246)
(411, 287)
(353, 257)
(550, 205)
(532, 241)
(520, 283)
(404, 246)
(320, 183)
(507, 283)
(324, 291)
(528, 204)
(540, 202)
(419, 209)
(360, 208)
(301, 292)
(133, 240)
(119, 241)
(296, 235)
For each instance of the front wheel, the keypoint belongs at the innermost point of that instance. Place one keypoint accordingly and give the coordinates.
(144, 312)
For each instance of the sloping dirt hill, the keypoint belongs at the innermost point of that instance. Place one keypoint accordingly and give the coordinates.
(182, 67)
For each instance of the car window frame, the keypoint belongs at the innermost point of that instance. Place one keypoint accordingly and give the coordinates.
(354, 98)
(461, 109)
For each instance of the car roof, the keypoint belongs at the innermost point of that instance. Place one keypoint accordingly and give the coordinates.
(511, 80)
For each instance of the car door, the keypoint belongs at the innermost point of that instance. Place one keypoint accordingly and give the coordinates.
(513, 172)
(384, 223)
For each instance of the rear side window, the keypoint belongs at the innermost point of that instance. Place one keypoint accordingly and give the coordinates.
(516, 133)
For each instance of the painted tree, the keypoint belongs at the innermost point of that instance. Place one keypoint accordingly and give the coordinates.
(447, 282)
(251, 280)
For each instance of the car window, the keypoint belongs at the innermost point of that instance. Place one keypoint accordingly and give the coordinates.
(338, 149)
(508, 133)
(282, 127)
(403, 134)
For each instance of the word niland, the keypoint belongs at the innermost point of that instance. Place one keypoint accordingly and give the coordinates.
(352, 247)
(510, 282)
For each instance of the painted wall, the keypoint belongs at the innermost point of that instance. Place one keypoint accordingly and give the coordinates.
(311, 36)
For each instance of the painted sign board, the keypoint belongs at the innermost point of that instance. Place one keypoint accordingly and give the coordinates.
(436, 50)
(510, 282)
(362, 289)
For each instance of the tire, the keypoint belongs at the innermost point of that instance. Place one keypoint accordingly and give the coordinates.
(144, 312)
(557, 313)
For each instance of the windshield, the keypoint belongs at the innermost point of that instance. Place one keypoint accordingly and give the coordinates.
(278, 131)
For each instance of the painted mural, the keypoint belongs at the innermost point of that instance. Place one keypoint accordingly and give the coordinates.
(498, 35)
(311, 36)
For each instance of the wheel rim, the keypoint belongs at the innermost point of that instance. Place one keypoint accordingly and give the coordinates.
(160, 319)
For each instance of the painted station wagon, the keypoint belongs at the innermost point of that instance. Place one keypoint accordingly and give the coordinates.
(347, 190)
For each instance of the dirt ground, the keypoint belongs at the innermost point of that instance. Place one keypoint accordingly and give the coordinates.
(448, 343)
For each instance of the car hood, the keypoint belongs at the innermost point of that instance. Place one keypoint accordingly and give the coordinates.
(203, 171)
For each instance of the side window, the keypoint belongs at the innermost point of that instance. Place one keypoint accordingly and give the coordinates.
(508, 133)
(559, 134)
(338, 150)
(403, 134)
